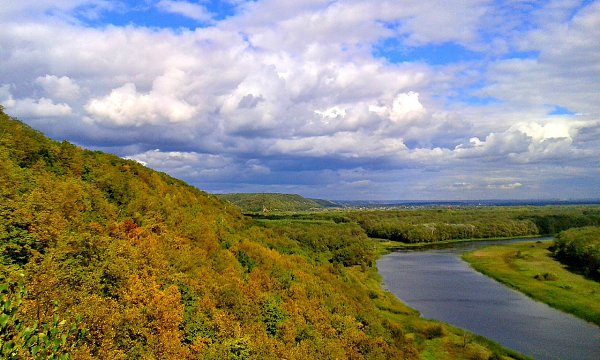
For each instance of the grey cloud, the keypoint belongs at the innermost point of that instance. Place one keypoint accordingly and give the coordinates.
(249, 101)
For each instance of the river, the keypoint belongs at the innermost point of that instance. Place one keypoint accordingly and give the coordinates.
(440, 285)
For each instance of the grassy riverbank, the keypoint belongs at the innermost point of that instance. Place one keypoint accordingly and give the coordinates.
(389, 245)
(530, 268)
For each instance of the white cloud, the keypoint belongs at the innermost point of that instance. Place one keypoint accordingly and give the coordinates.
(332, 113)
(63, 87)
(6, 98)
(42, 107)
(341, 144)
(569, 58)
(185, 8)
(125, 106)
(406, 106)
(424, 19)
(510, 186)
(526, 142)
(28, 107)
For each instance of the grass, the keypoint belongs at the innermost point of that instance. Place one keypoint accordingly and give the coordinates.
(530, 269)
(386, 246)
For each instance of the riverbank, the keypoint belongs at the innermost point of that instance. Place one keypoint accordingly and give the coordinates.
(529, 268)
(386, 246)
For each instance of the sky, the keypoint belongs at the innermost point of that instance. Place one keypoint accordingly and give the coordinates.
(379, 100)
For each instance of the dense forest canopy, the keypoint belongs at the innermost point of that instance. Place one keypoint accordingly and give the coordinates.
(101, 257)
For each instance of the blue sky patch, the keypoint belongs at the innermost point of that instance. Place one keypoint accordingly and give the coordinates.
(156, 15)
(559, 110)
(435, 54)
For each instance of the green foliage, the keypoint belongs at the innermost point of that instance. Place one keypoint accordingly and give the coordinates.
(53, 341)
(272, 315)
(345, 243)
(432, 225)
(547, 276)
(239, 349)
(245, 261)
(580, 248)
(554, 223)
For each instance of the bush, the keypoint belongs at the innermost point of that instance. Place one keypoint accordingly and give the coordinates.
(548, 276)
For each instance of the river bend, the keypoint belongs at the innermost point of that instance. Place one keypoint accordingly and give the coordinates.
(439, 284)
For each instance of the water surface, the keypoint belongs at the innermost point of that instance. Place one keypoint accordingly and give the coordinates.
(439, 284)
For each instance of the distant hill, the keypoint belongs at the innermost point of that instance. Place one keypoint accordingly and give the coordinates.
(272, 202)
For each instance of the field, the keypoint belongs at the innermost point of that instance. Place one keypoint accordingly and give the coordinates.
(530, 268)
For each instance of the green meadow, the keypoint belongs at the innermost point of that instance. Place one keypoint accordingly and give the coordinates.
(531, 268)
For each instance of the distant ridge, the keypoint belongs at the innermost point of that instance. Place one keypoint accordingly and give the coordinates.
(277, 202)
(436, 203)
(268, 202)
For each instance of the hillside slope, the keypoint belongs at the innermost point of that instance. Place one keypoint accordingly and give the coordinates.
(156, 269)
(272, 202)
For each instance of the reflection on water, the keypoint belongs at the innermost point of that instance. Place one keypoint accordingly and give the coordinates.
(442, 286)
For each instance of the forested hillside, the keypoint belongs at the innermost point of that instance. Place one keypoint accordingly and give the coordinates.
(267, 202)
(103, 258)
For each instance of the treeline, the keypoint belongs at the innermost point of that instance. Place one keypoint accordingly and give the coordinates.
(440, 224)
(580, 248)
(564, 218)
(432, 231)
(432, 225)
(103, 258)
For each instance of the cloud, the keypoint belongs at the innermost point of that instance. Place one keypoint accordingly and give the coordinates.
(462, 186)
(332, 113)
(125, 106)
(188, 9)
(566, 50)
(527, 142)
(61, 88)
(39, 108)
(6, 97)
(406, 107)
(289, 94)
(510, 186)
(341, 145)
(201, 167)
(29, 107)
